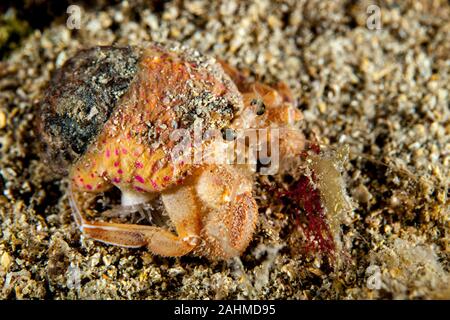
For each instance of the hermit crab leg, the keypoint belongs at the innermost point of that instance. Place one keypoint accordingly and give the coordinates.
(183, 210)
(156, 239)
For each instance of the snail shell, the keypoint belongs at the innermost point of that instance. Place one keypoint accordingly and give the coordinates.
(147, 92)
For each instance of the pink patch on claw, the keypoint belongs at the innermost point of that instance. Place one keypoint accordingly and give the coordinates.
(139, 179)
(89, 187)
(166, 178)
(116, 163)
(108, 153)
(116, 152)
(120, 171)
(154, 184)
(116, 180)
(124, 151)
(138, 189)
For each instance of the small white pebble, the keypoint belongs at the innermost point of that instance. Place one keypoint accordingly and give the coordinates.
(62, 57)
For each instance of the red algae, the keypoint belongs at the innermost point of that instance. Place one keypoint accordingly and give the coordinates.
(306, 199)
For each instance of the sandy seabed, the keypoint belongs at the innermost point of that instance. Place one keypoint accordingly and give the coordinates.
(382, 94)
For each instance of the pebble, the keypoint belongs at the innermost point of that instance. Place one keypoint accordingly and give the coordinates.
(2, 120)
(362, 194)
(5, 261)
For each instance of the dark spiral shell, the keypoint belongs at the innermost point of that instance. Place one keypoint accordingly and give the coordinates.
(82, 96)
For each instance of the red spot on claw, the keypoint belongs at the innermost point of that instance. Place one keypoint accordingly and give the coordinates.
(116, 152)
(89, 187)
(116, 180)
(108, 153)
(124, 151)
(120, 171)
(116, 163)
(139, 179)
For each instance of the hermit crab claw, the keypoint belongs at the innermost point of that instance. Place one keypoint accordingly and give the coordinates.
(230, 231)
(232, 211)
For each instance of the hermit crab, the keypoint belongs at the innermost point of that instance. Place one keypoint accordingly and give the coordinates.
(128, 117)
